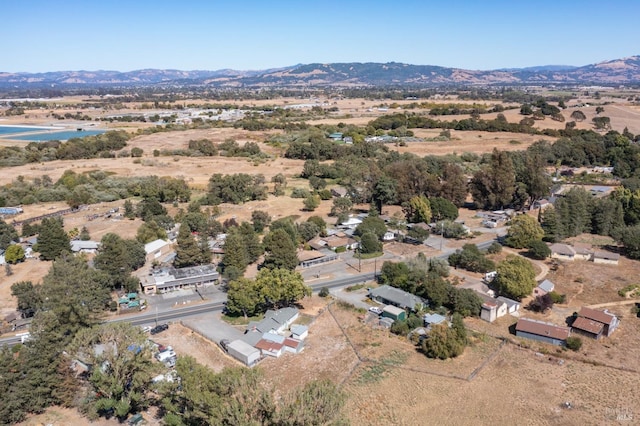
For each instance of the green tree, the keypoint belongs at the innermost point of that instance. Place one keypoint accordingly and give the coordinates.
(471, 259)
(123, 369)
(370, 243)
(311, 203)
(384, 192)
(118, 258)
(465, 302)
(629, 237)
(251, 241)
(84, 234)
(280, 251)
(235, 396)
(442, 209)
(454, 185)
(188, 252)
(322, 225)
(8, 234)
(129, 211)
(443, 343)
(539, 250)
(244, 297)
(515, 277)
(574, 212)
(371, 224)
(28, 295)
(524, 229)
(52, 240)
(551, 226)
(493, 186)
(150, 231)
(341, 206)
(308, 230)
(281, 287)
(578, 115)
(260, 220)
(235, 258)
(14, 254)
(419, 210)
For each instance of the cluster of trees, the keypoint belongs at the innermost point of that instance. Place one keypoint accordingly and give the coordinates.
(271, 289)
(472, 259)
(445, 342)
(426, 278)
(207, 148)
(92, 187)
(104, 146)
(237, 188)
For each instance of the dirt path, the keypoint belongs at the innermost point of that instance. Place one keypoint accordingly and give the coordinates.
(620, 303)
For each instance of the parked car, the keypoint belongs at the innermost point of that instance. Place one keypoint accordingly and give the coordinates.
(375, 310)
(159, 328)
(147, 328)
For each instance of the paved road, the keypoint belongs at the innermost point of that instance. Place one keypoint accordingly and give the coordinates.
(189, 306)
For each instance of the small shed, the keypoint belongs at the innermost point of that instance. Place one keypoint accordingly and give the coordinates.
(243, 352)
(270, 348)
(543, 288)
(394, 313)
(433, 319)
(293, 345)
(299, 332)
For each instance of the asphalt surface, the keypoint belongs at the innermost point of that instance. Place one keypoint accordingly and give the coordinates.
(208, 302)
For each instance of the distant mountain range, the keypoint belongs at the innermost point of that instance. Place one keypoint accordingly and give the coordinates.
(618, 71)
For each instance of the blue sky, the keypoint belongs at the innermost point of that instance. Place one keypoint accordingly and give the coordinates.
(46, 35)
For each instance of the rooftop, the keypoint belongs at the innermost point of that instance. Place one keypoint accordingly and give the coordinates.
(155, 245)
(547, 286)
(542, 329)
(599, 316)
(588, 325)
(601, 254)
(562, 249)
(396, 296)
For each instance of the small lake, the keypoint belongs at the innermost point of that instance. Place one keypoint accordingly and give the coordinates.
(4, 130)
(60, 136)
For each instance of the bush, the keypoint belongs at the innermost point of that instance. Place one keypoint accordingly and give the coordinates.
(494, 248)
(400, 328)
(300, 193)
(574, 343)
(539, 250)
(557, 297)
(324, 292)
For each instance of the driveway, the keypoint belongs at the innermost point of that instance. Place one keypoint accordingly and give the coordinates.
(213, 327)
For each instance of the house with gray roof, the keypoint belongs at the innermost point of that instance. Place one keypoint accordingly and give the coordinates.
(275, 321)
(396, 297)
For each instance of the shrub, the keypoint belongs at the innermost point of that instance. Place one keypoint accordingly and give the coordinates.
(324, 292)
(539, 250)
(574, 343)
(494, 248)
(300, 193)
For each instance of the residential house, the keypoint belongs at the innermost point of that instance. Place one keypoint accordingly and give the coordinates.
(351, 223)
(543, 288)
(542, 331)
(513, 306)
(243, 352)
(337, 136)
(609, 321)
(275, 321)
(396, 297)
(492, 310)
(583, 251)
(562, 252)
(606, 257)
(79, 246)
(336, 242)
